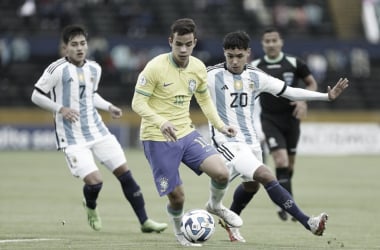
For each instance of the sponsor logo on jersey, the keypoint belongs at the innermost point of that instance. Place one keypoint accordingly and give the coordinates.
(274, 66)
(168, 84)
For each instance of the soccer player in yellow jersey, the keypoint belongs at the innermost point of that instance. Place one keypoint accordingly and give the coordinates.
(162, 98)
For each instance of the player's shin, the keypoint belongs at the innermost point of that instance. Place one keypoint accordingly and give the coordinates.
(282, 198)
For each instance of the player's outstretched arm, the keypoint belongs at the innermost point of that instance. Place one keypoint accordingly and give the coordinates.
(339, 87)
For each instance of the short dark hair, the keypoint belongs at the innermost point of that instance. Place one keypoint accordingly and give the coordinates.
(270, 30)
(72, 30)
(183, 26)
(236, 40)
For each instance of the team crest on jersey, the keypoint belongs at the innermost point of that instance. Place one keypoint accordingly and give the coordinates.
(192, 85)
(142, 81)
(288, 77)
(238, 85)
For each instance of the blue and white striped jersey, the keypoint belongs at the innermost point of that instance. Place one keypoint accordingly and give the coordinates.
(74, 87)
(234, 97)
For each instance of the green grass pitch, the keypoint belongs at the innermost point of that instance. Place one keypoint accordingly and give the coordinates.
(38, 194)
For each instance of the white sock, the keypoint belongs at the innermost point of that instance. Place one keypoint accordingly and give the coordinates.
(216, 195)
(176, 217)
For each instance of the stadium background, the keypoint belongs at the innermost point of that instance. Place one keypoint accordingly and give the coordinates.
(335, 39)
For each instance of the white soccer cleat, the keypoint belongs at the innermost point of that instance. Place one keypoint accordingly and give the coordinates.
(231, 218)
(233, 233)
(184, 242)
(318, 224)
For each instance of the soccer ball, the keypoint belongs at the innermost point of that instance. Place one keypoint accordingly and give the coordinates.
(197, 225)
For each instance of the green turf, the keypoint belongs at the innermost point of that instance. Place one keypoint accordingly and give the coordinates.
(37, 193)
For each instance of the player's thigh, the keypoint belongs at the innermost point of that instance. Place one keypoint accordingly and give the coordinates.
(245, 159)
(199, 155)
(109, 152)
(80, 160)
(215, 167)
(164, 159)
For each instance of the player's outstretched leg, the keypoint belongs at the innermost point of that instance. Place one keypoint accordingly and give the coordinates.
(150, 226)
(317, 224)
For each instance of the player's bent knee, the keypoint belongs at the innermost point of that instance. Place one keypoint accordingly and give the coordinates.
(251, 187)
(221, 179)
(177, 197)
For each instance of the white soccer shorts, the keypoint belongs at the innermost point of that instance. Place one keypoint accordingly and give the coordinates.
(242, 159)
(107, 150)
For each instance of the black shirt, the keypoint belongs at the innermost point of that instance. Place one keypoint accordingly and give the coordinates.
(288, 68)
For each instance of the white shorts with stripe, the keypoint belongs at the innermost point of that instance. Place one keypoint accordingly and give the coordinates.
(242, 159)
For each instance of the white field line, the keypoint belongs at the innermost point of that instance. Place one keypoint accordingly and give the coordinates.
(24, 240)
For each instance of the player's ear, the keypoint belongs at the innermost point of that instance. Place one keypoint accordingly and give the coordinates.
(170, 40)
(62, 50)
(281, 42)
(195, 42)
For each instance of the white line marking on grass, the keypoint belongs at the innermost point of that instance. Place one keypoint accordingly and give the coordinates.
(24, 240)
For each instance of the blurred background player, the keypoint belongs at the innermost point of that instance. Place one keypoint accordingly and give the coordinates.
(234, 85)
(72, 82)
(281, 117)
(162, 98)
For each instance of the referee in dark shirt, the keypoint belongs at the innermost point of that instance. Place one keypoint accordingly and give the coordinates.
(281, 117)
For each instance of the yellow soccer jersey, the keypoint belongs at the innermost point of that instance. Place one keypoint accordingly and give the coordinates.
(163, 93)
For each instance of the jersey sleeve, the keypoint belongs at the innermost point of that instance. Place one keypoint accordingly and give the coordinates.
(47, 81)
(98, 77)
(270, 84)
(145, 85)
(302, 69)
(146, 81)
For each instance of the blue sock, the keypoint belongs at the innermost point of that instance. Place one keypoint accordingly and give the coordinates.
(282, 198)
(240, 199)
(284, 178)
(134, 195)
(91, 193)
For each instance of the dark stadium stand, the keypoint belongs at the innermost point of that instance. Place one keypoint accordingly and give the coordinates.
(143, 27)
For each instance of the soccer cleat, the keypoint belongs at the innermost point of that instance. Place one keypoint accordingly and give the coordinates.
(152, 226)
(233, 233)
(282, 214)
(318, 224)
(231, 218)
(184, 242)
(93, 217)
